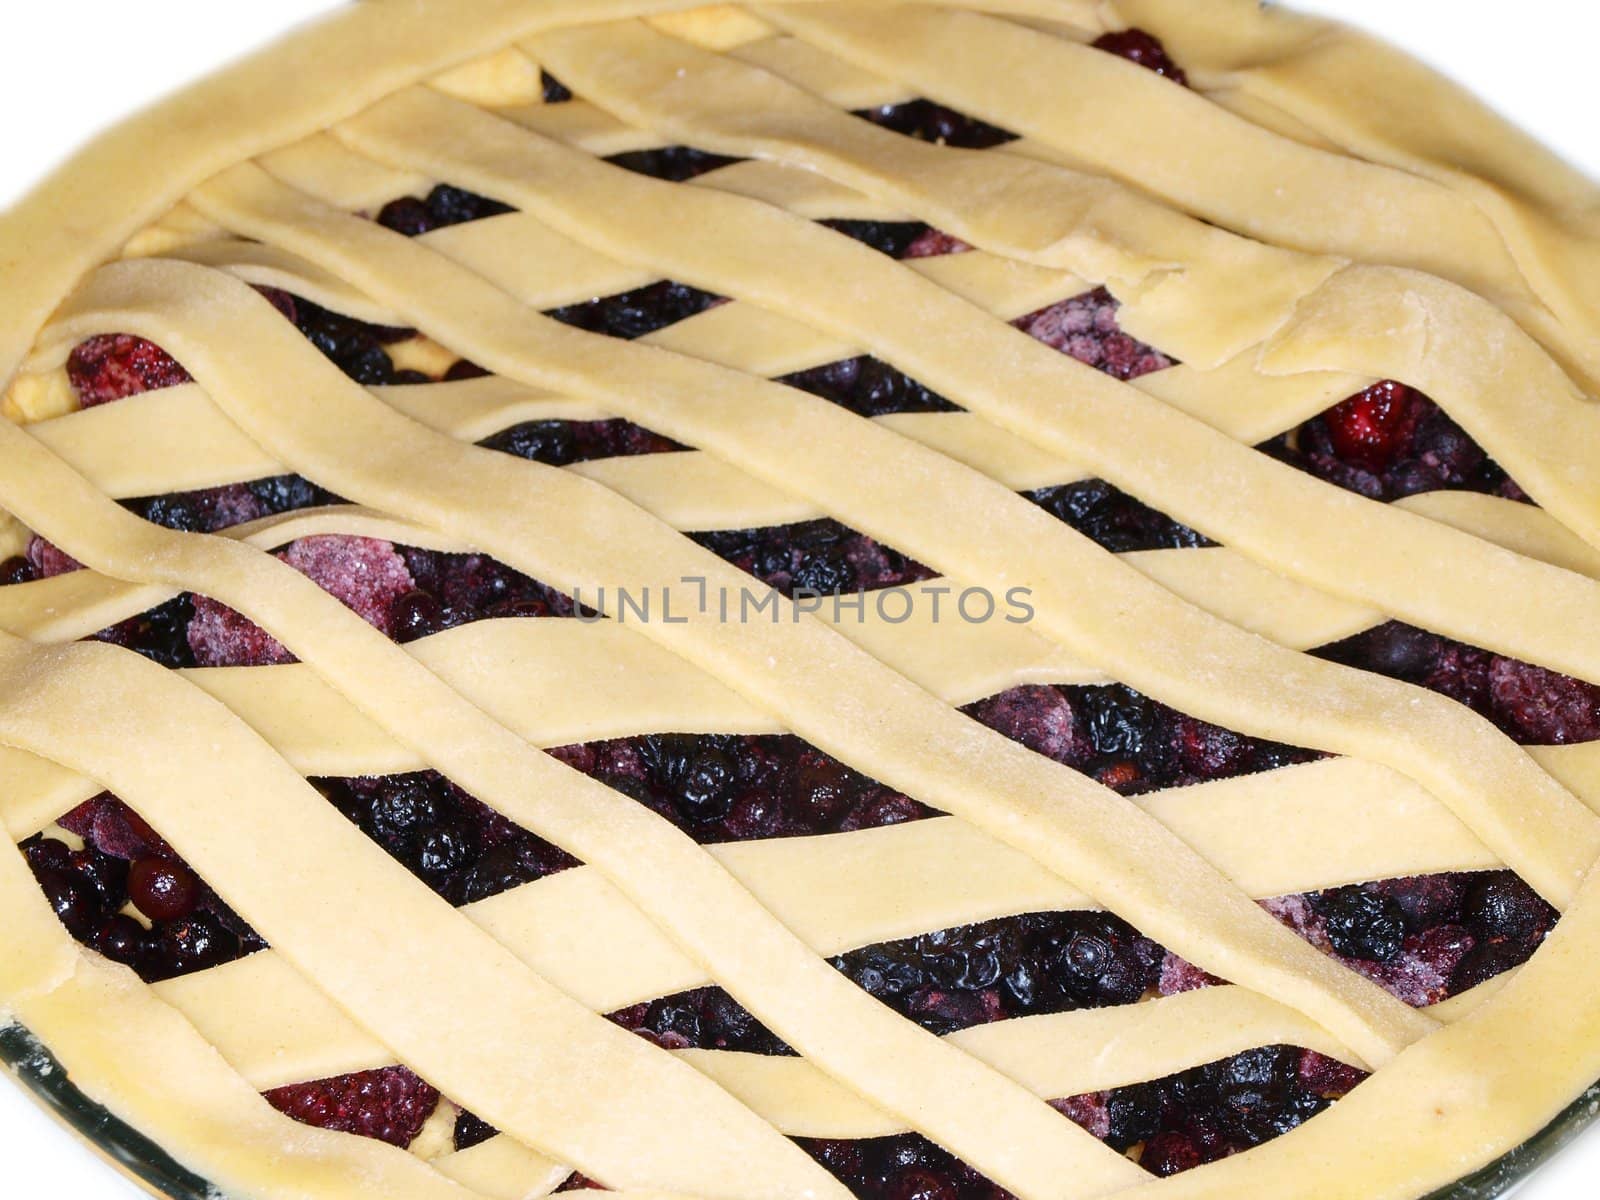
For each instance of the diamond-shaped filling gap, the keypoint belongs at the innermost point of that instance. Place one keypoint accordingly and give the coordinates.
(126, 894)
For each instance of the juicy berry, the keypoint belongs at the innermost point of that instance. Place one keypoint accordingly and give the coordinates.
(390, 1104)
(115, 366)
(1145, 50)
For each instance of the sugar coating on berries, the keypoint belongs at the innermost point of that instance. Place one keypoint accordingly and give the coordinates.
(390, 1104)
(1532, 705)
(1125, 740)
(117, 365)
(1544, 707)
(366, 574)
(1085, 327)
(49, 560)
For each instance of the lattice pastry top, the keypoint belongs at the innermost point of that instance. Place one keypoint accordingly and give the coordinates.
(887, 549)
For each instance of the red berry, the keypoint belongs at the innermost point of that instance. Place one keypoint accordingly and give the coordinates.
(49, 560)
(935, 243)
(115, 366)
(1142, 49)
(1086, 328)
(1375, 427)
(1168, 1154)
(390, 1104)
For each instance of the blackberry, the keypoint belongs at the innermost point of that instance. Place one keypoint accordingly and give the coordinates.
(1362, 924)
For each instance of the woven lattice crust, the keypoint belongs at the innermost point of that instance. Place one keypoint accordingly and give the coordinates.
(1360, 233)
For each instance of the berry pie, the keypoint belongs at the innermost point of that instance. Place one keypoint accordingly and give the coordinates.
(993, 598)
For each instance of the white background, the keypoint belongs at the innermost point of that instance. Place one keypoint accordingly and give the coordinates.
(71, 66)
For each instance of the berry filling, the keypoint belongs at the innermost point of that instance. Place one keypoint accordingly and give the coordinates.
(1086, 328)
(442, 207)
(868, 387)
(406, 592)
(458, 846)
(675, 164)
(1529, 704)
(115, 366)
(186, 927)
(390, 1104)
(1125, 740)
(1142, 49)
(634, 314)
(555, 92)
(894, 238)
(562, 443)
(1423, 939)
(1114, 520)
(1388, 442)
(930, 122)
(367, 575)
(821, 557)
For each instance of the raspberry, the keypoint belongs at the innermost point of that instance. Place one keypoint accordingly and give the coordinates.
(1374, 428)
(115, 366)
(47, 559)
(1542, 707)
(1086, 328)
(390, 1104)
(368, 575)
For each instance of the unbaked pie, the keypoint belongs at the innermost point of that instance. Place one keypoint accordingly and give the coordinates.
(804, 600)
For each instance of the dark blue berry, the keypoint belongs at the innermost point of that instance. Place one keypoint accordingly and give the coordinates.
(1362, 924)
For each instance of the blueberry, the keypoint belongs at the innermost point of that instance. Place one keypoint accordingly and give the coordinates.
(930, 122)
(416, 615)
(162, 889)
(1134, 1113)
(407, 215)
(194, 944)
(1142, 49)
(122, 940)
(1500, 905)
(73, 901)
(403, 806)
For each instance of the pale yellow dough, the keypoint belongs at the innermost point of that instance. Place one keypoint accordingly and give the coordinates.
(1348, 241)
